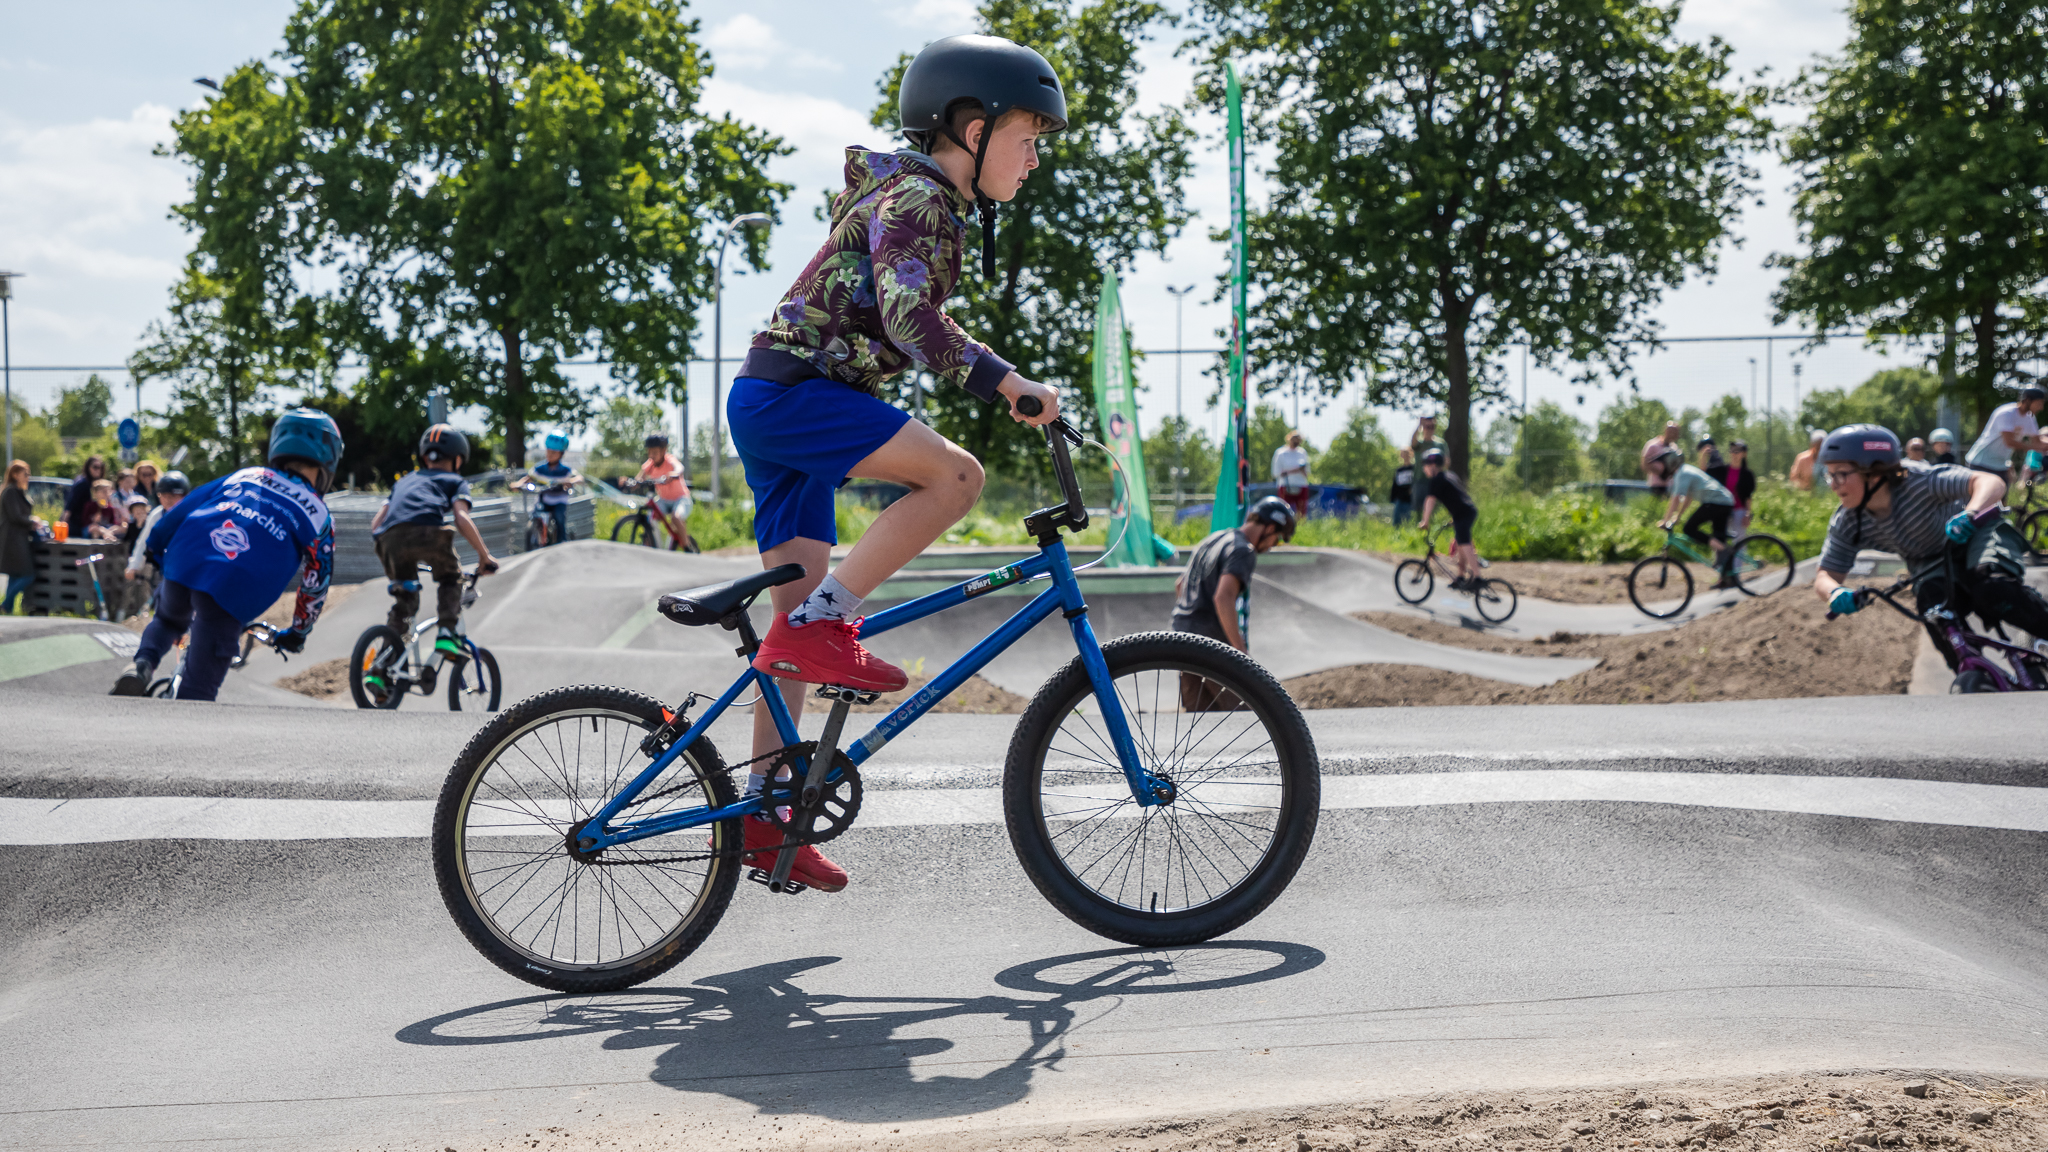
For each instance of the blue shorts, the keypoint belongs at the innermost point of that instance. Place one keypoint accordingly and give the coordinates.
(798, 442)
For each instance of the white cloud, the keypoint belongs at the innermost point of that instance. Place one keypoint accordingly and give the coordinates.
(745, 42)
(817, 127)
(73, 192)
(939, 18)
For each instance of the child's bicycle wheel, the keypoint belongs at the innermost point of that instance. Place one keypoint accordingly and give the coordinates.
(473, 685)
(502, 844)
(1495, 599)
(1762, 564)
(1663, 581)
(1246, 784)
(373, 667)
(1413, 581)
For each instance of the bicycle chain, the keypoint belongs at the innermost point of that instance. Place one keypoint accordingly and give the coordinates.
(730, 853)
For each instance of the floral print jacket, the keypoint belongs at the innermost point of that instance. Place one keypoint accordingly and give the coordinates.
(867, 307)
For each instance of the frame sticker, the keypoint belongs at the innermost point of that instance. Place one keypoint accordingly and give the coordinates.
(1001, 577)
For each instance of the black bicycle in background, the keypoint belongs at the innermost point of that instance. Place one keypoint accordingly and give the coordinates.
(1414, 580)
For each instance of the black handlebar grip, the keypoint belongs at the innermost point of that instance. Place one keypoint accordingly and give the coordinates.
(1029, 405)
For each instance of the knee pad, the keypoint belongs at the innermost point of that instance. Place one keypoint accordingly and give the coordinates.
(397, 586)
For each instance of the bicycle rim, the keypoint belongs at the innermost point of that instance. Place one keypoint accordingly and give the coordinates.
(1660, 587)
(1762, 564)
(510, 828)
(1234, 792)
(1495, 599)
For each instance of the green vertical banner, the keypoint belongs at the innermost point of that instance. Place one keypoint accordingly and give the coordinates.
(1116, 404)
(1235, 474)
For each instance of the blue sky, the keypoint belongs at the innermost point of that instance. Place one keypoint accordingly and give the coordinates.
(87, 92)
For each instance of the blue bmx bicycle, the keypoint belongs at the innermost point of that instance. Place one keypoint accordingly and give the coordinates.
(1161, 789)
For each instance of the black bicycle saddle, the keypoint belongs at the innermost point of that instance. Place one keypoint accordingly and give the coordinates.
(714, 602)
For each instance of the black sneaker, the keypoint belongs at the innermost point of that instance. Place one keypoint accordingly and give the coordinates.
(135, 681)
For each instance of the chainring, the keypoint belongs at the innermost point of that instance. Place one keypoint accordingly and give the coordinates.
(837, 807)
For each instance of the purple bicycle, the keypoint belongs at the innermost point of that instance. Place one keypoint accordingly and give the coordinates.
(1974, 671)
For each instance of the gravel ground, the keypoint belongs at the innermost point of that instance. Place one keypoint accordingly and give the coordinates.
(1815, 1113)
(1773, 647)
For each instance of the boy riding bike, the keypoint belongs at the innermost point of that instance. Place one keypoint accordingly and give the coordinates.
(557, 479)
(671, 490)
(804, 411)
(410, 530)
(1925, 513)
(1441, 486)
(231, 548)
(1708, 523)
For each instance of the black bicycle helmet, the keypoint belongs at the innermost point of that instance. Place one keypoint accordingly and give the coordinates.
(1433, 456)
(655, 440)
(1275, 511)
(443, 442)
(997, 74)
(173, 483)
(1864, 445)
(2032, 393)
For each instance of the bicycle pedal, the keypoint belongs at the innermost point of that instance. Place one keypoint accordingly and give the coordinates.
(840, 692)
(789, 887)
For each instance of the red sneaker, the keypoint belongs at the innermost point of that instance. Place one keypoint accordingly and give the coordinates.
(811, 868)
(825, 652)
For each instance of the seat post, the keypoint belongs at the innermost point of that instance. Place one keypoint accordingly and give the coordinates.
(740, 622)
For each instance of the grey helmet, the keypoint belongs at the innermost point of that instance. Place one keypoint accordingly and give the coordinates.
(998, 74)
(1941, 436)
(1275, 511)
(1864, 445)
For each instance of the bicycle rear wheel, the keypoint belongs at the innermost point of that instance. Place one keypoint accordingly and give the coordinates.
(1495, 599)
(1762, 564)
(1247, 789)
(1656, 580)
(1413, 581)
(378, 653)
(473, 685)
(502, 834)
(2035, 529)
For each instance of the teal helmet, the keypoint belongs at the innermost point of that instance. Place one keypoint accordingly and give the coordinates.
(308, 435)
(556, 442)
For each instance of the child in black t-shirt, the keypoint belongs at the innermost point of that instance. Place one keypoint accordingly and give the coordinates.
(410, 530)
(1442, 486)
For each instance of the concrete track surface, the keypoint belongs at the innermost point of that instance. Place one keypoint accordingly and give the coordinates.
(1497, 897)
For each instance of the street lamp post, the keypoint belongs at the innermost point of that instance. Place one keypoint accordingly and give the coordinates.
(750, 220)
(1178, 295)
(7, 280)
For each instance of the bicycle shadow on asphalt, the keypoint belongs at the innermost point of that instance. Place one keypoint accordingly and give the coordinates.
(757, 1036)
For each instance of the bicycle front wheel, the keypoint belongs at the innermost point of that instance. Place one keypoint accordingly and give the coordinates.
(1762, 564)
(1413, 581)
(373, 668)
(1495, 599)
(473, 685)
(1246, 792)
(1655, 580)
(632, 530)
(502, 844)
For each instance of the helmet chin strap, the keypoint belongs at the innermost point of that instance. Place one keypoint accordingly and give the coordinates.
(983, 205)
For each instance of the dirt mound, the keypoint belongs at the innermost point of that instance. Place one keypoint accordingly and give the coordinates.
(1771, 648)
(323, 681)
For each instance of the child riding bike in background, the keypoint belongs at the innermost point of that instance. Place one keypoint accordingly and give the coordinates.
(804, 411)
(232, 547)
(1708, 523)
(556, 479)
(1440, 485)
(1926, 513)
(671, 489)
(410, 530)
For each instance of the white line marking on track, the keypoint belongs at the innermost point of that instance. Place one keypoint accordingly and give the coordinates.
(97, 820)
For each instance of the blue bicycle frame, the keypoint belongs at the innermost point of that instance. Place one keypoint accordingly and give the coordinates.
(1063, 596)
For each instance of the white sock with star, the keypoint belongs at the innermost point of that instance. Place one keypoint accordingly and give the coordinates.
(831, 601)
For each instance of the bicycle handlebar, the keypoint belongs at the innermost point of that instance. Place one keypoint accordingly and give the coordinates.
(1058, 434)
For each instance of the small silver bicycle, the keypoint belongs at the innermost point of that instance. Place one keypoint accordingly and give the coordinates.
(385, 667)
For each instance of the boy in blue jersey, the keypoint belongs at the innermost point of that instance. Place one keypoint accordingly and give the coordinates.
(232, 547)
(556, 478)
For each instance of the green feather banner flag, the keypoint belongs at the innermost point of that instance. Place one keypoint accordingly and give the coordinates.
(1116, 403)
(1228, 511)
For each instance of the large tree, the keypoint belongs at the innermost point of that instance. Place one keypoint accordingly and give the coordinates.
(1107, 188)
(1456, 176)
(493, 188)
(1923, 195)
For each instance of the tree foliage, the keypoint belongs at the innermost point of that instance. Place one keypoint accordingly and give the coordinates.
(1923, 163)
(494, 188)
(1905, 400)
(1360, 456)
(1544, 450)
(84, 410)
(1467, 174)
(1176, 443)
(624, 425)
(1107, 188)
(1624, 427)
